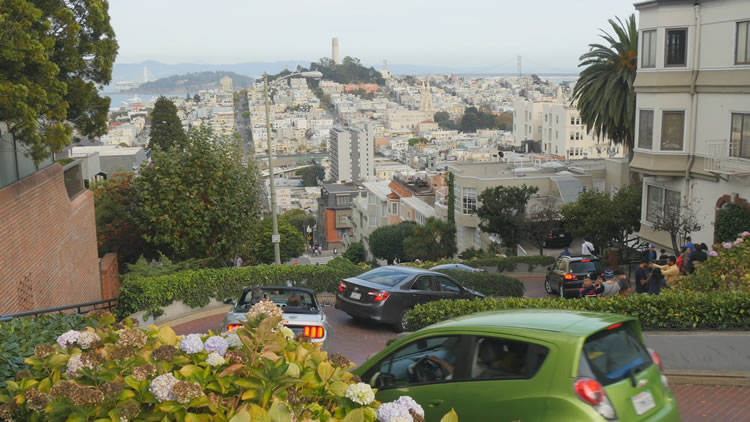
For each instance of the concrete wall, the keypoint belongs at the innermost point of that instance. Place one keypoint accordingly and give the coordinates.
(702, 350)
(48, 257)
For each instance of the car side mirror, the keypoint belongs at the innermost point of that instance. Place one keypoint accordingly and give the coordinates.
(228, 301)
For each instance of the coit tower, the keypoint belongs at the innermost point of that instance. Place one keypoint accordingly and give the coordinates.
(335, 50)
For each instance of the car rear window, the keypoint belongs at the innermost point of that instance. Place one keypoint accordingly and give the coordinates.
(613, 355)
(579, 267)
(385, 276)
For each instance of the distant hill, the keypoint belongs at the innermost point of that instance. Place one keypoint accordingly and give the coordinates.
(191, 83)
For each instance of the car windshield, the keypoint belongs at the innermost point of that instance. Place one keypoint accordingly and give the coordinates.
(586, 266)
(386, 276)
(291, 300)
(612, 355)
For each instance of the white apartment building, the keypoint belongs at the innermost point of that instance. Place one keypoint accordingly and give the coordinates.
(340, 152)
(352, 152)
(692, 143)
(405, 119)
(527, 121)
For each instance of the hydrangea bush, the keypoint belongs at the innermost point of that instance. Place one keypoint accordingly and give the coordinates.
(119, 372)
(727, 268)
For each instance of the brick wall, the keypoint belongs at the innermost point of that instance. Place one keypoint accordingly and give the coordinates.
(110, 275)
(48, 253)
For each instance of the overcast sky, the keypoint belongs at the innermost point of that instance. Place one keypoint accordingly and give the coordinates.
(478, 34)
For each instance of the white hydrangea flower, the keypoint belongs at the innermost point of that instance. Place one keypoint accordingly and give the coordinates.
(399, 410)
(87, 338)
(360, 393)
(68, 338)
(74, 365)
(400, 419)
(234, 340)
(215, 359)
(287, 332)
(161, 387)
(191, 344)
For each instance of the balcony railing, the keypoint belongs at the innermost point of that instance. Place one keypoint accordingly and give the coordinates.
(723, 158)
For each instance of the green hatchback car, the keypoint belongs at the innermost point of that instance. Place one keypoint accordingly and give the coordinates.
(526, 365)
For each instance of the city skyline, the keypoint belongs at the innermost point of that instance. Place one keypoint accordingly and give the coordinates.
(474, 37)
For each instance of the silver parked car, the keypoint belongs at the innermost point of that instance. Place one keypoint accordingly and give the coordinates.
(302, 312)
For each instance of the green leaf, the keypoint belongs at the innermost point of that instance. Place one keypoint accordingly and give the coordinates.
(167, 335)
(450, 417)
(279, 412)
(241, 416)
(356, 415)
(258, 414)
(325, 371)
(189, 370)
(338, 388)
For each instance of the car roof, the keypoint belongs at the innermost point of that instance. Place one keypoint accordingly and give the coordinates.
(576, 323)
(301, 289)
(447, 266)
(406, 269)
(582, 257)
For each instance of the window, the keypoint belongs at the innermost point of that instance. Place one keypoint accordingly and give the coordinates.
(384, 275)
(742, 53)
(646, 129)
(343, 200)
(675, 54)
(672, 130)
(557, 119)
(477, 238)
(648, 49)
(610, 356)
(412, 364)
(469, 201)
(739, 145)
(460, 234)
(499, 358)
(572, 120)
(660, 201)
(394, 208)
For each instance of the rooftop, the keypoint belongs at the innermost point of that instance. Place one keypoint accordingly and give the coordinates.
(340, 187)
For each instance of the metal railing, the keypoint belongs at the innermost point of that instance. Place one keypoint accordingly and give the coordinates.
(81, 308)
(723, 157)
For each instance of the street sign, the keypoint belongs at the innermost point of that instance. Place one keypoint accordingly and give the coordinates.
(276, 238)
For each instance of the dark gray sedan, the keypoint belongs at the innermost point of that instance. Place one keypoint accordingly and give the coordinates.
(386, 294)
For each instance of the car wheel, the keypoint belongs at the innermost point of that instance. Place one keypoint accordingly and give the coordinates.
(561, 287)
(400, 326)
(548, 286)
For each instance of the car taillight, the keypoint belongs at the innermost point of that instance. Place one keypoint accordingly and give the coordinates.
(591, 392)
(342, 287)
(615, 325)
(656, 358)
(570, 277)
(231, 327)
(585, 260)
(379, 296)
(550, 236)
(314, 331)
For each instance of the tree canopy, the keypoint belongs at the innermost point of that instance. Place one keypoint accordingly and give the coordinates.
(311, 175)
(291, 246)
(199, 202)
(166, 128)
(349, 71)
(731, 221)
(502, 209)
(387, 242)
(434, 240)
(54, 58)
(604, 92)
(355, 252)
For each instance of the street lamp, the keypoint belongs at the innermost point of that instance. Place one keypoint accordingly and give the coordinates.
(276, 239)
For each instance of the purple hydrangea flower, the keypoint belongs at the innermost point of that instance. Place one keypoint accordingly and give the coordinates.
(713, 253)
(738, 241)
(68, 338)
(727, 245)
(191, 344)
(745, 234)
(216, 344)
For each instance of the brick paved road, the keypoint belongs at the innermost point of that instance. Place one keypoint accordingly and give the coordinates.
(357, 340)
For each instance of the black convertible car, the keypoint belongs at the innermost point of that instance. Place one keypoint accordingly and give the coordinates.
(385, 294)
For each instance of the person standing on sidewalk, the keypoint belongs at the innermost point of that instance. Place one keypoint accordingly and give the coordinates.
(587, 248)
(641, 277)
(670, 272)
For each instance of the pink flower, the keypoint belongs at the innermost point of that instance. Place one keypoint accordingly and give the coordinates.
(727, 245)
(745, 234)
(713, 253)
(738, 241)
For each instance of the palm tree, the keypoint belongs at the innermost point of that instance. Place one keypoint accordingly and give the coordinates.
(604, 91)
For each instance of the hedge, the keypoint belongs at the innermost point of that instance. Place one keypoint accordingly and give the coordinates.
(503, 264)
(488, 283)
(20, 336)
(196, 287)
(671, 310)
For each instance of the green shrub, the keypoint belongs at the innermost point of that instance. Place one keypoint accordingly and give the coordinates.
(508, 264)
(669, 310)
(20, 336)
(471, 253)
(727, 268)
(730, 221)
(258, 372)
(355, 252)
(488, 283)
(196, 287)
(164, 266)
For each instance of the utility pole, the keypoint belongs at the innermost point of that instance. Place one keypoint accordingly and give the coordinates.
(275, 239)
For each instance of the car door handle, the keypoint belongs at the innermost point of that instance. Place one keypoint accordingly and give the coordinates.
(435, 402)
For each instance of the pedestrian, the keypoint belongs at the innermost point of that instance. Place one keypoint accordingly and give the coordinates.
(670, 272)
(697, 258)
(623, 282)
(689, 245)
(587, 248)
(651, 253)
(588, 289)
(611, 288)
(641, 277)
(335, 251)
(656, 282)
(238, 261)
(565, 252)
(682, 261)
(663, 254)
(599, 285)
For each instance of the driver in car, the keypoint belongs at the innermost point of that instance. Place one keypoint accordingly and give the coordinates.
(447, 367)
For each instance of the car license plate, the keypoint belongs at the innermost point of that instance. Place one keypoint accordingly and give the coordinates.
(355, 295)
(643, 402)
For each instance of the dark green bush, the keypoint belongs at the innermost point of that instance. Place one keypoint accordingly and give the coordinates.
(20, 336)
(503, 264)
(488, 283)
(671, 310)
(196, 287)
